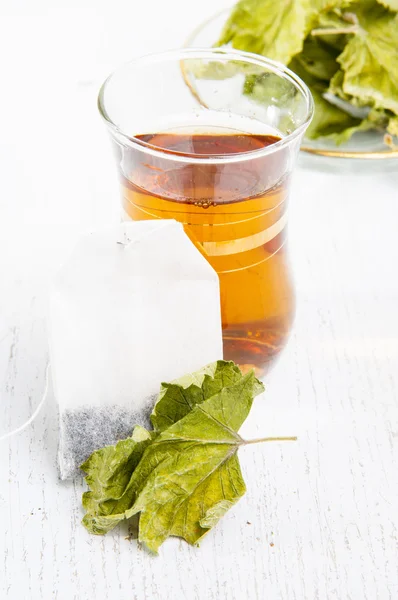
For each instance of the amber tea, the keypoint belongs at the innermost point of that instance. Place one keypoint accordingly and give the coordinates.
(239, 227)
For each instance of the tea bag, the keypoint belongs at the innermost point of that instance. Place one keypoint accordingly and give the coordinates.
(135, 305)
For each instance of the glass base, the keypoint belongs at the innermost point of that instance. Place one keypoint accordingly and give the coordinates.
(249, 354)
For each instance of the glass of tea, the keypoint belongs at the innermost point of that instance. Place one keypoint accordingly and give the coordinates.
(210, 138)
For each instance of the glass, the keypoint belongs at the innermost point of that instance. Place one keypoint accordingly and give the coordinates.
(210, 138)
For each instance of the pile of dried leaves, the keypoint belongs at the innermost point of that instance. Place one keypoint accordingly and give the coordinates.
(345, 51)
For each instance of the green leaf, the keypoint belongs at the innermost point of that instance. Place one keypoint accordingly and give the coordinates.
(318, 60)
(336, 86)
(189, 476)
(329, 120)
(392, 127)
(178, 398)
(333, 21)
(355, 106)
(213, 514)
(191, 462)
(328, 5)
(108, 471)
(339, 137)
(190, 511)
(370, 60)
(390, 4)
(184, 478)
(274, 29)
(333, 26)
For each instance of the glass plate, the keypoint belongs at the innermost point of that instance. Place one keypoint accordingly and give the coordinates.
(368, 145)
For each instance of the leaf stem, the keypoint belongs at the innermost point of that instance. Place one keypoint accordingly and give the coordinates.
(270, 439)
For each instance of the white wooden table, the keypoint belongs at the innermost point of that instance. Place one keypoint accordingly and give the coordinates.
(319, 520)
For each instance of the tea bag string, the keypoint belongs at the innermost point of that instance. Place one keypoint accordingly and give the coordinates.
(35, 412)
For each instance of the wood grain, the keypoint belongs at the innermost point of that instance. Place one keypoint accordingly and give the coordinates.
(319, 518)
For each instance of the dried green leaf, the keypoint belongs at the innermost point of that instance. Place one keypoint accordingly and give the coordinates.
(336, 86)
(274, 29)
(329, 120)
(108, 471)
(333, 26)
(178, 398)
(189, 473)
(392, 126)
(339, 137)
(390, 4)
(189, 476)
(370, 60)
(318, 59)
(113, 488)
(329, 5)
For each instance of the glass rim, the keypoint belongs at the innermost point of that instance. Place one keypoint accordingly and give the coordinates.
(209, 53)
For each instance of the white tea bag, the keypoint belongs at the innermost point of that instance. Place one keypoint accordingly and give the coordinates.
(135, 305)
